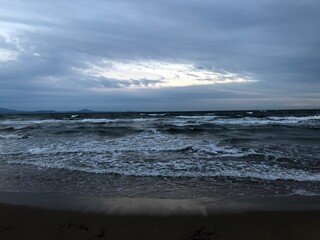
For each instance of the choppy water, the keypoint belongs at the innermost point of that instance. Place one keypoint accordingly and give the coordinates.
(268, 146)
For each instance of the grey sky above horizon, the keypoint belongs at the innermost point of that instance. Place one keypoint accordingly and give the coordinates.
(149, 55)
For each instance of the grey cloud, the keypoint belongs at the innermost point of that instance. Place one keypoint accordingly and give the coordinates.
(275, 41)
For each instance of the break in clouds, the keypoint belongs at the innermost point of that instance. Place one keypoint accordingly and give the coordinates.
(159, 55)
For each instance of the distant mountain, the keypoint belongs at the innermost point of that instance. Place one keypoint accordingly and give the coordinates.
(6, 111)
(85, 111)
(11, 111)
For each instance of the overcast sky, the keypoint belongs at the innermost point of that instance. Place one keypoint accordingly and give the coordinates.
(158, 55)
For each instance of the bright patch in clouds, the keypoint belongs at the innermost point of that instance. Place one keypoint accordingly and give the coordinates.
(155, 74)
(8, 55)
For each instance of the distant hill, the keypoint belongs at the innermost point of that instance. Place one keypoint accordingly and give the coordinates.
(85, 111)
(11, 111)
(6, 111)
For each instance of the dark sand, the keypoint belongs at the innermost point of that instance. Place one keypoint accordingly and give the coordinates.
(20, 222)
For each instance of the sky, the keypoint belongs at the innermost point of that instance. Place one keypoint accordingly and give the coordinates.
(151, 55)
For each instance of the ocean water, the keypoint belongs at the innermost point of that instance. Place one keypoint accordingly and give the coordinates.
(174, 155)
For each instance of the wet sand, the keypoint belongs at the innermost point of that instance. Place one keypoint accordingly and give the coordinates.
(21, 222)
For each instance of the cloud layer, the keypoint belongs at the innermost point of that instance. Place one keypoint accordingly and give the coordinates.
(159, 55)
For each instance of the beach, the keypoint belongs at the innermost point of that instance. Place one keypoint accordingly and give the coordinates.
(55, 216)
(21, 222)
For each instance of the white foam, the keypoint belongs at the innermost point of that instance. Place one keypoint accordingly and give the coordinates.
(10, 136)
(116, 120)
(266, 121)
(146, 141)
(177, 121)
(199, 117)
(180, 168)
(181, 121)
(31, 122)
(304, 192)
(134, 156)
(37, 150)
(297, 119)
(222, 151)
(157, 114)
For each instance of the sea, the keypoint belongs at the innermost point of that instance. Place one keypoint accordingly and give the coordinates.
(174, 155)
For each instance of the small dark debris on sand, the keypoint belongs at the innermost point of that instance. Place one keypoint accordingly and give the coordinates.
(201, 234)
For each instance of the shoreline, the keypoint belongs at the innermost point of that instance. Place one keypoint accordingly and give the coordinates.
(22, 222)
(148, 206)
